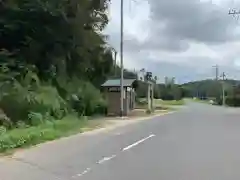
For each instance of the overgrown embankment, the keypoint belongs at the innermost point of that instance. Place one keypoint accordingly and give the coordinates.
(53, 59)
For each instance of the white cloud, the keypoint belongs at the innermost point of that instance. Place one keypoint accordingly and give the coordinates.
(193, 35)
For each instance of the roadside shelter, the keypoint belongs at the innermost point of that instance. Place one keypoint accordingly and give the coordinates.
(113, 96)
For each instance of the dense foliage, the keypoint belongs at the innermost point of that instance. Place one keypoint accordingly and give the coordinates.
(208, 88)
(205, 89)
(211, 89)
(53, 58)
(161, 91)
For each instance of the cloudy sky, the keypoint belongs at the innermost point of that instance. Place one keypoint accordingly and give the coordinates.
(180, 38)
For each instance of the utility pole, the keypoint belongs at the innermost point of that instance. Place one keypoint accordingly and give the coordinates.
(115, 63)
(152, 96)
(121, 57)
(216, 71)
(147, 77)
(142, 74)
(149, 95)
(223, 88)
(150, 86)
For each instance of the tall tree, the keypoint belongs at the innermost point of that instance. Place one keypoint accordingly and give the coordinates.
(57, 35)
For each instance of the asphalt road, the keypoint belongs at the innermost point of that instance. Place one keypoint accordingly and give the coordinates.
(199, 142)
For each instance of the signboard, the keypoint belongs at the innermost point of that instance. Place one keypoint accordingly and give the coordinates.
(114, 89)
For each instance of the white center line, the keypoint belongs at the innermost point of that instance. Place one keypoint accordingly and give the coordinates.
(106, 159)
(103, 160)
(138, 142)
(81, 174)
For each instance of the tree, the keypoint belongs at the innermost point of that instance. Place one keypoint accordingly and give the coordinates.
(207, 88)
(61, 44)
(57, 36)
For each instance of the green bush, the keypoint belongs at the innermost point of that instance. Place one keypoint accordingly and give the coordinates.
(34, 103)
(149, 111)
(85, 98)
(101, 107)
(21, 104)
(4, 120)
(141, 101)
(218, 101)
(3, 130)
(233, 101)
(93, 99)
(35, 118)
(47, 100)
(21, 125)
(16, 106)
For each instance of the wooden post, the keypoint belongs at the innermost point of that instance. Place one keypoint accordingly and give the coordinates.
(148, 97)
(152, 96)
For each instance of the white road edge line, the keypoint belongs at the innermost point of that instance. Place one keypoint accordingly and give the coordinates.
(106, 159)
(138, 142)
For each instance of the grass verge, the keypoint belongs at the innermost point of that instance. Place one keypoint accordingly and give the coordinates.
(169, 103)
(206, 101)
(160, 104)
(51, 130)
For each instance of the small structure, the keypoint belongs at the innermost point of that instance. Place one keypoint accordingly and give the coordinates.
(112, 91)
